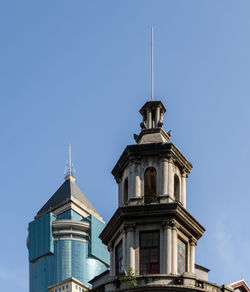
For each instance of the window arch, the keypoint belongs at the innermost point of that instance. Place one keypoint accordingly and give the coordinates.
(150, 185)
(177, 188)
(125, 191)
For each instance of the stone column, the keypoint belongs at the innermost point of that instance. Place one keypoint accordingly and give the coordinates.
(149, 118)
(111, 254)
(131, 246)
(131, 181)
(124, 248)
(137, 172)
(120, 193)
(157, 115)
(174, 249)
(167, 243)
(164, 176)
(192, 256)
(183, 188)
(170, 180)
(161, 116)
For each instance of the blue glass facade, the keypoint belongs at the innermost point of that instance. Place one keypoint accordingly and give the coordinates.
(63, 255)
(98, 249)
(40, 237)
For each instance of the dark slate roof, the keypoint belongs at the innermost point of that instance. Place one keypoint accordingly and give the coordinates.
(63, 195)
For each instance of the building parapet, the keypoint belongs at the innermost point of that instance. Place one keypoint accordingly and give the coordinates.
(160, 282)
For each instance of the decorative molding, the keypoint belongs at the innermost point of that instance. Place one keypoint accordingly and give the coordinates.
(137, 160)
(110, 246)
(152, 213)
(168, 223)
(130, 227)
(192, 241)
(184, 172)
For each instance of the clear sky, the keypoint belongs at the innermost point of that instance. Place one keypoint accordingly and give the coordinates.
(78, 72)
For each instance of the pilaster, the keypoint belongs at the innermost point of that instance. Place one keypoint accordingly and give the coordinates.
(167, 243)
(124, 247)
(170, 182)
(112, 259)
(183, 187)
(131, 180)
(192, 255)
(174, 248)
(130, 246)
(120, 193)
(137, 173)
(164, 176)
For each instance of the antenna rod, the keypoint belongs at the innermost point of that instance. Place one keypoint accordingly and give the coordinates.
(152, 63)
(69, 159)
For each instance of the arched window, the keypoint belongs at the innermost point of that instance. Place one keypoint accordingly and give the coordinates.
(176, 188)
(150, 185)
(125, 191)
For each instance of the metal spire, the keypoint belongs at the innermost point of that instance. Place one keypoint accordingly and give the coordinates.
(152, 63)
(69, 169)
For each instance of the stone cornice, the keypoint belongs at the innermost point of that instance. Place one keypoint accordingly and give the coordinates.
(152, 131)
(152, 104)
(152, 214)
(165, 150)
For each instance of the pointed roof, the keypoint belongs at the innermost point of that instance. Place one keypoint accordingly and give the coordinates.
(67, 191)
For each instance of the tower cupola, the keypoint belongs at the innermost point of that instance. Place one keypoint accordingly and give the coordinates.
(153, 170)
(152, 123)
(152, 113)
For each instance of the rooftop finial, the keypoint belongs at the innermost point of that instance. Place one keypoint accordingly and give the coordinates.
(152, 63)
(69, 170)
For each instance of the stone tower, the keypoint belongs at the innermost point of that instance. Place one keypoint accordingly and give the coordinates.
(152, 236)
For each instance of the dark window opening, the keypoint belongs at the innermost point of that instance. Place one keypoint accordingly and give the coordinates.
(118, 259)
(176, 188)
(125, 191)
(150, 185)
(181, 256)
(149, 252)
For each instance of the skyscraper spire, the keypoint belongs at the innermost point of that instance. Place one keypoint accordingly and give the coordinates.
(69, 169)
(69, 159)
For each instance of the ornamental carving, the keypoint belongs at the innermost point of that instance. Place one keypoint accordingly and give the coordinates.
(129, 227)
(193, 241)
(168, 223)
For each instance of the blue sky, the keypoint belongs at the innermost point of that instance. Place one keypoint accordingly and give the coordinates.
(78, 72)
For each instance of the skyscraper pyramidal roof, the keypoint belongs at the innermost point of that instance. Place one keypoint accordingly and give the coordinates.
(67, 192)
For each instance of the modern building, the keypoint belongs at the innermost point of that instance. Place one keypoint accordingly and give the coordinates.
(64, 249)
(152, 237)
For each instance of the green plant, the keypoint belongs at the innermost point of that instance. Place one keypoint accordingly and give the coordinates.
(129, 277)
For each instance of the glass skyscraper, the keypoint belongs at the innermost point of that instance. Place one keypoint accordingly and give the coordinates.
(65, 251)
